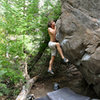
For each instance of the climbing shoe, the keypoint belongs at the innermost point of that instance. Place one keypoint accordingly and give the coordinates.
(65, 60)
(50, 71)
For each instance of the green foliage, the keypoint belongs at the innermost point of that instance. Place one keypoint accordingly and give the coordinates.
(8, 74)
(23, 26)
(3, 87)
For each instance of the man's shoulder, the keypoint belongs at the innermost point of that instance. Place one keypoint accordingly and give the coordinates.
(49, 29)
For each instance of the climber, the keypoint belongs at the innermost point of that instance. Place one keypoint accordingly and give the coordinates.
(53, 44)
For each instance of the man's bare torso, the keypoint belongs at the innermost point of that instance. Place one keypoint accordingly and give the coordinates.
(52, 34)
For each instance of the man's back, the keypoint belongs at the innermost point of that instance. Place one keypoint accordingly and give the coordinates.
(52, 34)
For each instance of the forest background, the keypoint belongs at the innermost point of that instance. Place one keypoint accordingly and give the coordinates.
(24, 40)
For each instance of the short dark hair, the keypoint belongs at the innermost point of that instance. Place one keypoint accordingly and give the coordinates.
(50, 23)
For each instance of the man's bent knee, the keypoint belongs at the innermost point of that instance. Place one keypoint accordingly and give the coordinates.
(57, 44)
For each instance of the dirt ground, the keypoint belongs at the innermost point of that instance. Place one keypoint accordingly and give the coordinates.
(71, 79)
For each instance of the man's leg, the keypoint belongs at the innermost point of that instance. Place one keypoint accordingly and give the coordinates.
(51, 62)
(60, 52)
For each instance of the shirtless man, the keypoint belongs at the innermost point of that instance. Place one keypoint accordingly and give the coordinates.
(54, 45)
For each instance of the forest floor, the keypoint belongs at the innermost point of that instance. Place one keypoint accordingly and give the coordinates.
(72, 79)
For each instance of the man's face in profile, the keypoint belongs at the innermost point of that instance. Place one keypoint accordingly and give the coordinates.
(53, 24)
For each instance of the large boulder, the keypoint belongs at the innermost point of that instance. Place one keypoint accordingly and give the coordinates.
(78, 32)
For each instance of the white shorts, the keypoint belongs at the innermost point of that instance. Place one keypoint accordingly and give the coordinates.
(52, 46)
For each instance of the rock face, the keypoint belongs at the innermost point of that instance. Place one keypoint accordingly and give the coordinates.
(78, 31)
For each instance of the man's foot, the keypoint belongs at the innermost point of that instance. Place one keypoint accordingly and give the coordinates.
(65, 60)
(50, 71)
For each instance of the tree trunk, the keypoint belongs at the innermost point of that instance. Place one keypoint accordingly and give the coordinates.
(26, 88)
(35, 59)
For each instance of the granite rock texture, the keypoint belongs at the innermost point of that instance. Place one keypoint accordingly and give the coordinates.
(78, 31)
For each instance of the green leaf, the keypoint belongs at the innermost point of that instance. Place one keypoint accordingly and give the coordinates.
(2, 72)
